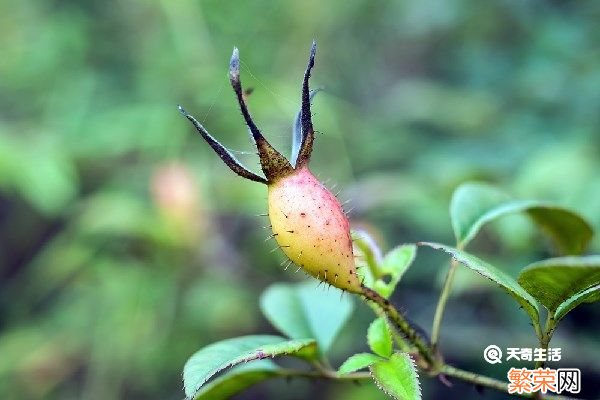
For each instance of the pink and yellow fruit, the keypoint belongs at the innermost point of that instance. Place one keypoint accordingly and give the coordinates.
(307, 219)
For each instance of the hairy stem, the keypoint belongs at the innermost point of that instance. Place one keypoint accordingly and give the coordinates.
(324, 374)
(420, 342)
(434, 364)
(546, 336)
(447, 370)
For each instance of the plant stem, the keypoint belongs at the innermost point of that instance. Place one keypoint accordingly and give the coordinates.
(403, 345)
(546, 336)
(447, 370)
(441, 305)
(324, 374)
(435, 365)
(474, 378)
(402, 324)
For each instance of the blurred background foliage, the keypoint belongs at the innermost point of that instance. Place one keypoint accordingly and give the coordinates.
(126, 245)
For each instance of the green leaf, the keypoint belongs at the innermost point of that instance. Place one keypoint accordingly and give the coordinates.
(393, 266)
(569, 231)
(475, 204)
(590, 295)
(379, 338)
(397, 377)
(281, 305)
(357, 362)
(379, 273)
(557, 281)
(238, 379)
(496, 275)
(42, 173)
(306, 311)
(470, 208)
(227, 353)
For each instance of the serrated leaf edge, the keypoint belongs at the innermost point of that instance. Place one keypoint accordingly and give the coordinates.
(232, 375)
(416, 376)
(253, 355)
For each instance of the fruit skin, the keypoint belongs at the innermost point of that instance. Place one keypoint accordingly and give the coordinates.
(312, 230)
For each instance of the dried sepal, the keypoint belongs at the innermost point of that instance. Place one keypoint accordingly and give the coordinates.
(297, 134)
(226, 155)
(273, 164)
(308, 133)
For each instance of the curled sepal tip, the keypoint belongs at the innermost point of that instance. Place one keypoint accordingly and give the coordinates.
(273, 164)
(234, 65)
(222, 151)
(308, 133)
(297, 134)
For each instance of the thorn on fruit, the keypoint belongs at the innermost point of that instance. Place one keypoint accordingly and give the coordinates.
(271, 236)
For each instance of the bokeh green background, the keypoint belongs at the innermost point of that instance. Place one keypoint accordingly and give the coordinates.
(125, 244)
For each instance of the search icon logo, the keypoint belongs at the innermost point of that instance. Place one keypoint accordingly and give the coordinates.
(492, 354)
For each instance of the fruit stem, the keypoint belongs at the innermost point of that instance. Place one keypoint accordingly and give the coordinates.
(401, 323)
(434, 363)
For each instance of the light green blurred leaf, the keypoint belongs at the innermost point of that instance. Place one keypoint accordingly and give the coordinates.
(121, 214)
(43, 174)
(397, 377)
(557, 281)
(369, 255)
(394, 265)
(227, 353)
(238, 379)
(379, 338)
(569, 231)
(357, 362)
(475, 204)
(470, 209)
(304, 311)
(508, 283)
